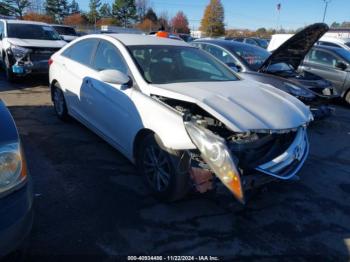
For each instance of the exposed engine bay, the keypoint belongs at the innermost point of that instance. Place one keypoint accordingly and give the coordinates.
(250, 149)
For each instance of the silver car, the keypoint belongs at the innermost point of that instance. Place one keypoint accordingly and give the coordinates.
(333, 64)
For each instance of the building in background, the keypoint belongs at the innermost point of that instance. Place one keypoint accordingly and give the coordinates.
(197, 34)
(338, 33)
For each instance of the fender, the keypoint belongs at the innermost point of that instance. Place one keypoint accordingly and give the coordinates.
(163, 120)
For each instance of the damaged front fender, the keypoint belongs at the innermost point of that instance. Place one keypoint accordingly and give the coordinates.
(215, 153)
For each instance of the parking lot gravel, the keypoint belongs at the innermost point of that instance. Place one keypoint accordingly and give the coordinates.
(90, 201)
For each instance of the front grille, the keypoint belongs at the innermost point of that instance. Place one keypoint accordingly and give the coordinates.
(267, 147)
(289, 162)
(42, 54)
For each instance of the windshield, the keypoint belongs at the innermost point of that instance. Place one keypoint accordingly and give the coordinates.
(253, 56)
(30, 31)
(175, 64)
(262, 42)
(62, 30)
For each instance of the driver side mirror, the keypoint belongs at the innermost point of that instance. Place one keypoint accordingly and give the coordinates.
(234, 67)
(116, 77)
(341, 65)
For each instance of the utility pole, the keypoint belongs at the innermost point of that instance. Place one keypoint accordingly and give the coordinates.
(325, 8)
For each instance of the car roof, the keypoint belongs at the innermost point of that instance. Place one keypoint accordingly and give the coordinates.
(58, 25)
(223, 43)
(334, 39)
(135, 39)
(330, 48)
(9, 21)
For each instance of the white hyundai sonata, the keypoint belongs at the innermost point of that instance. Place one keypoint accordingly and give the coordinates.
(179, 114)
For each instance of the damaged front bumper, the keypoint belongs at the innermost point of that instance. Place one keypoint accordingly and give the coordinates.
(26, 61)
(287, 165)
(224, 164)
(25, 68)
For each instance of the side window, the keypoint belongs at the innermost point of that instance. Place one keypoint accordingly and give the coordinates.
(321, 57)
(1, 29)
(82, 51)
(108, 57)
(220, 54)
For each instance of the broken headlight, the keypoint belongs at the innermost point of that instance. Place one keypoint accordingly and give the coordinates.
(215, 153)
(298, 91)
(19, 52)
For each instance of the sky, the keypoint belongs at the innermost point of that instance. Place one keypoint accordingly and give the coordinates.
(253, 14)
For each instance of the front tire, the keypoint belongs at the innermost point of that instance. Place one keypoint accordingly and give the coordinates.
(59, 102)
(165, 171)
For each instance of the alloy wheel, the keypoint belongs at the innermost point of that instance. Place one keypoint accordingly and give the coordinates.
(157, 168)
(59, 102)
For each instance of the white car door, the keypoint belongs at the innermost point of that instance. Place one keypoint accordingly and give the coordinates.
(76, 66)
(109, 106)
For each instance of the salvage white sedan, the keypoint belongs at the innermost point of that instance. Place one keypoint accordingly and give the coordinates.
(179, 114)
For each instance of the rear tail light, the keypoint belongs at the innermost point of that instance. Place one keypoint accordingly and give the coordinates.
(50, 61)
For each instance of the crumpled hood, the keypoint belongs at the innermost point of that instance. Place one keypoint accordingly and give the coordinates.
(241, 105)
(37, 43)
(294, 50)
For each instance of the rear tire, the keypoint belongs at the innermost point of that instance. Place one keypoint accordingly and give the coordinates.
(165, 171)
(59, 102)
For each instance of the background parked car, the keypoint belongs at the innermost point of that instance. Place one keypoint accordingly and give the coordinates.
(26, 46)
(277, 40)
(186, 37)
(281, 73)
(15, 188)
(263, 43)
(68, 33)
(335, 42)
(332, 63)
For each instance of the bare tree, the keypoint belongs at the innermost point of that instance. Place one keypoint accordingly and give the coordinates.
(141, 8)
(36, 6)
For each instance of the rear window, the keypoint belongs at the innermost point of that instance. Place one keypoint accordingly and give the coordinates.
(31, 31)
